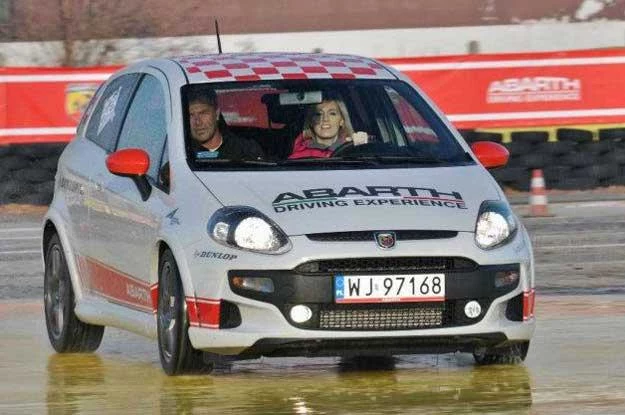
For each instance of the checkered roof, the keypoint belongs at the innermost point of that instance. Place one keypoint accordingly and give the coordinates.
(270, 66)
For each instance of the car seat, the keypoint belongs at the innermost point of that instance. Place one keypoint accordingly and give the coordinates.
(291, 117)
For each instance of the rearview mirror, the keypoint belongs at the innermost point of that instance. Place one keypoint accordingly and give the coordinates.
(298, 98)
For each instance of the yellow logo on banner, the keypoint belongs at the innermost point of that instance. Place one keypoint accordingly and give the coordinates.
(77, 96)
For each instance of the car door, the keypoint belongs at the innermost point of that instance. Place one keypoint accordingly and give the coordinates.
(130, 224)
(97, 138)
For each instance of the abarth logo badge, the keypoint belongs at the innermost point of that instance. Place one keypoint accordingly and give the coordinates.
(385, 240)
(77, 96)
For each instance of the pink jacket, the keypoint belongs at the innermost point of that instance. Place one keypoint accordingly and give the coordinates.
(306, 147)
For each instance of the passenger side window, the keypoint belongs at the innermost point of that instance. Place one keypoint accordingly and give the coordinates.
(145, 126)
(415, 127)
(108, 114)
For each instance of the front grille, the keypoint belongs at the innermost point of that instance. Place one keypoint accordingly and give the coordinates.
(364, 236)
(383, 318)
(386, 265)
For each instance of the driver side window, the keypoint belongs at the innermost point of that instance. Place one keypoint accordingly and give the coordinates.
(145, 126)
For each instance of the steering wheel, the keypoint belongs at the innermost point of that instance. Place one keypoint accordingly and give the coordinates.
(342, 148)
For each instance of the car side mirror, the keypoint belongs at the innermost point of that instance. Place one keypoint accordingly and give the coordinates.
(133, 163)
(490, 154)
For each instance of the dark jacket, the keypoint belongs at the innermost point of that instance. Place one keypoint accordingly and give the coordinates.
(232, 148)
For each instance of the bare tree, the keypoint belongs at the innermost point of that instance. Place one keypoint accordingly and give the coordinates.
(85, 31)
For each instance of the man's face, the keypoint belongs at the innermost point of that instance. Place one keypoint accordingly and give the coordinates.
(203, 119)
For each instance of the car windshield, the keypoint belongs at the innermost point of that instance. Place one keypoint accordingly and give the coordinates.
(314, 124)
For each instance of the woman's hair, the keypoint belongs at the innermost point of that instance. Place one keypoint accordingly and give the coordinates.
(346, 130)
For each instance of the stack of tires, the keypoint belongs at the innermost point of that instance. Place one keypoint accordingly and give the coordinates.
(574, 162)
(27, 173)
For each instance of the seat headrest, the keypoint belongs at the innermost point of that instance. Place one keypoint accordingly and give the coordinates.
(282, 114)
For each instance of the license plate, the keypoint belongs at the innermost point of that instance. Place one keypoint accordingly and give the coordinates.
(389, 288)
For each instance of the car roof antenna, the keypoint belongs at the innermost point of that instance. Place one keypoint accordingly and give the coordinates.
(218, 38)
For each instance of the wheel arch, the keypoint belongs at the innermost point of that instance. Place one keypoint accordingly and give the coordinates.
(53, 224)
(180, 258)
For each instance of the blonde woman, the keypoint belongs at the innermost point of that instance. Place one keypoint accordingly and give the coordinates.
(327, 127)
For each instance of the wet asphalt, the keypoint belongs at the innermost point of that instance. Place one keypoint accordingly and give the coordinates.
(575, 363)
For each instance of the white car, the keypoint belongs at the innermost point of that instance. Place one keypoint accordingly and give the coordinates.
(311, 205)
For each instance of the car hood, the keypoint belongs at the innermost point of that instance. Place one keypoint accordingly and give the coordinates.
(301, 202)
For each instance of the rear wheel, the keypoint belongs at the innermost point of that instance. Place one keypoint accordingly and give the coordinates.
(509, 355)
(66, 332)
(175, 350)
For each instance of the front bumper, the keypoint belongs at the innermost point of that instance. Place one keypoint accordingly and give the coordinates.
(263, 325)
(465, 281)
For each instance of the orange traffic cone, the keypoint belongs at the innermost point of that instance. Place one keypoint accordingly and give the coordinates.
(538, 194)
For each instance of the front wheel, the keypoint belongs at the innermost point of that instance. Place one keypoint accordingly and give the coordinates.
(176, 353)
(65, 331)
(512, 354)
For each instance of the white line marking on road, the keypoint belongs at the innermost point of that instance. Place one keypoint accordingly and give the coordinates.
(581, 246)
(28, 251)
(20, 230)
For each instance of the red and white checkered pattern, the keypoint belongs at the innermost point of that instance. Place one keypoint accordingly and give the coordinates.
(270, 66)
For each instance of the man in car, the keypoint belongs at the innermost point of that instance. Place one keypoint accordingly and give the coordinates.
(211, 140)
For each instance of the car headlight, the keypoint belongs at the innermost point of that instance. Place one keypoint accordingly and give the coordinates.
(496, 224)
(244, 227)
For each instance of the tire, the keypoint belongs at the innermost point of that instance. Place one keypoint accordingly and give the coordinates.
(66, 332)
(555, 174)
(509, 174)
(612, 134)
(536, 160)
(601, 171)
(509, 355)
(557, 148)
(5, 150)
(12, 190)
(573, 134)
(533, 137)
(577, 159)
(520, 148)
(176, 353)
(597, 148)
(33, 175)
(39, 150)
(14, 162)
(48, 163)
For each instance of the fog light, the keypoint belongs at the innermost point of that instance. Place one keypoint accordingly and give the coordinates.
(472, 309)
(503, 278)
(263, 285)
(301, 313)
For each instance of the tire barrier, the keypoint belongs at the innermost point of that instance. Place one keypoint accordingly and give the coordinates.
(576, 160)
(27, 173)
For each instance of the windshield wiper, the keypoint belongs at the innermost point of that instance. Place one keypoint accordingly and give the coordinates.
(405, 159)
(236, 162)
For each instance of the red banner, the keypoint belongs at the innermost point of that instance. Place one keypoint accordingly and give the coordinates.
(474, 91)
(45, 104)
(524, 90)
